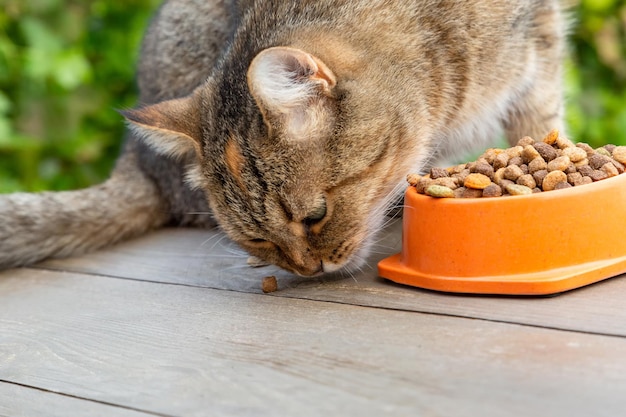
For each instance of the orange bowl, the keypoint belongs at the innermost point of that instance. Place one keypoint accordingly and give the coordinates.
(543, 243)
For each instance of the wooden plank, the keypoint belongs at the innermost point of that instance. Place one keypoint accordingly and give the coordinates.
(18, 401)
(191, 351)
(207, 259)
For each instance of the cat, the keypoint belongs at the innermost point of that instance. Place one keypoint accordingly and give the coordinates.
(293, 124)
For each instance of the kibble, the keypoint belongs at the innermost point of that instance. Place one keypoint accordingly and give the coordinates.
(597, 160)
(609, 169)
(438, 173)
(554, 163)
(513, 172)
(575, 154)
(562, 185)
(619, 154)
(598, 175)
(551, 137)
(537, 164)
(516, 189)
(559, 164)
(492, 190)
(547, 152)
(439, 191)
(529, 153)
(539, 176)
(477, 181)
(527, 180)
(501, 161)
(269, 284)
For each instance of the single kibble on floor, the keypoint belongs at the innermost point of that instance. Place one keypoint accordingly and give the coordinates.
(269, 284)
(553, 163)
(439, 191)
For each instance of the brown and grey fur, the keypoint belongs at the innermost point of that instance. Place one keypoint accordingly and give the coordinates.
(295, 122)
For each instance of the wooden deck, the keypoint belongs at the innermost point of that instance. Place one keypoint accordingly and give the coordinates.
(175, 324)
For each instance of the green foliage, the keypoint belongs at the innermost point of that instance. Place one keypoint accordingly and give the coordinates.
(596, 76)
(65, 65)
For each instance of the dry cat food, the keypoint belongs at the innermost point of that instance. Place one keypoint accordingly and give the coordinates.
(269, 284)
(531, 166)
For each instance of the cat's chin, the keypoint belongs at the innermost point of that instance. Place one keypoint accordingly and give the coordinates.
(330, 267)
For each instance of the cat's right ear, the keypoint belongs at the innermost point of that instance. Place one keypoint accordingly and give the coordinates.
(291, 87)
(171, 127)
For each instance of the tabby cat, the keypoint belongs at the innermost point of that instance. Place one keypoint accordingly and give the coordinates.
(293, 124)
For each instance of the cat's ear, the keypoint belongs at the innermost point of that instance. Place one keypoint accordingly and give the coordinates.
(291, 86)
(171, 127)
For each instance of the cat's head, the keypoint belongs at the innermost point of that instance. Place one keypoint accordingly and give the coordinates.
(297, 166)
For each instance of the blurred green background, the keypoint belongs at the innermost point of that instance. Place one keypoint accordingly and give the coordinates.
(66, 65)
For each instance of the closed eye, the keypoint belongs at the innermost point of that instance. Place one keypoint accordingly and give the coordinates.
(260, 243)
(316, 215)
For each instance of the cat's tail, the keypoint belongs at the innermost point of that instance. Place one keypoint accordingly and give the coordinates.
(36, 226)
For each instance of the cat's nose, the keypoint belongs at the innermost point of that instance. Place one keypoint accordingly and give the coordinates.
(310, 269)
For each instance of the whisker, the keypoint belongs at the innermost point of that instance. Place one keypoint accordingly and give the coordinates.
(215, 236)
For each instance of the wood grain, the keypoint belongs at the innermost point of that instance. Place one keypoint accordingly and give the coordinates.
(207, 259)
(187, 351)
(17, 401)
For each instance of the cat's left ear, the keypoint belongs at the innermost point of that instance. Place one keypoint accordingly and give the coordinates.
(291, 87)
(171, 127)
